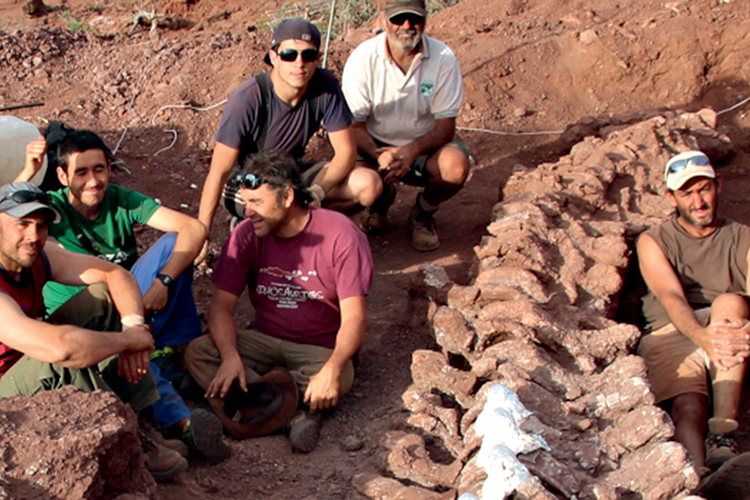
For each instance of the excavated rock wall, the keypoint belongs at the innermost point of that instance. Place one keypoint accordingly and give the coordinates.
(538, 319)
(73, 445)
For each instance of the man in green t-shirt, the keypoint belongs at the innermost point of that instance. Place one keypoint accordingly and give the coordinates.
(98, 218)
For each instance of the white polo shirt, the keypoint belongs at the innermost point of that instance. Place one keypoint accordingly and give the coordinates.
(398, 107)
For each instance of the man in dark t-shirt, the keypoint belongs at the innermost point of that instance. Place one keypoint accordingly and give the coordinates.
(696, 269)
(280, 110)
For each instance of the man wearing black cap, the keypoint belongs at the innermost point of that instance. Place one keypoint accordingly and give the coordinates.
(696, 269)
(405, 91)
(37, 355)
(280, 110)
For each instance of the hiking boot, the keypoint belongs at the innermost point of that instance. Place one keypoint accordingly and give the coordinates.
(304, 428)
(423, 235)
(362, 220)
(720, 441)
(162, 462)
(379, 210)
(176, 445)
(730, 482)
(205, 434)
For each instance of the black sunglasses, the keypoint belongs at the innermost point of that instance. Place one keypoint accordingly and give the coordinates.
(400, 19)
(290, 55)
(27, 197)
(248, 181)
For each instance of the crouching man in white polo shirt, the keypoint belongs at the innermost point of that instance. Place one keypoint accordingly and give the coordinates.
(405, 91)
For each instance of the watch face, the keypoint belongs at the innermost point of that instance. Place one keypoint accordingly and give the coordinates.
(165, 278)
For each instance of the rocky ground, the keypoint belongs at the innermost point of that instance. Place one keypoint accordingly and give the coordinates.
(144, 73)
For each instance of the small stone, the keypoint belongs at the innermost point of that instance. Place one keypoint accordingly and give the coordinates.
(520, 112)
(352, 443)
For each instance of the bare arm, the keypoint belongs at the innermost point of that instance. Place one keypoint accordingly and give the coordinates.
(404, 156)
(191, 234)
(65, 345)
(324, 390)
(223, 331)
(721, 341)
(344, 155)
(222, 162)
(663, 282)
(35, 151)
(77, 269)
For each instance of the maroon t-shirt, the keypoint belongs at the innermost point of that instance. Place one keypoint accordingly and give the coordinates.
(27, 292)
(296, 284)
(288, 126)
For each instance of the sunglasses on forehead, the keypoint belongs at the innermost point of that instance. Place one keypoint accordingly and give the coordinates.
(400, 19)
(27, 197)
(290, 55)
(677, 166)
(248, 181)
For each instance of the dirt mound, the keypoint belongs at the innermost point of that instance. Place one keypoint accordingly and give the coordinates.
(73, 445)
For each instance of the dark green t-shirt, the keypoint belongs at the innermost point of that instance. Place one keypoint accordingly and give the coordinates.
(110, 236)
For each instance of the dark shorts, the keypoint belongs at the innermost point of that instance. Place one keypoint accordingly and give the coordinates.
(418, 174)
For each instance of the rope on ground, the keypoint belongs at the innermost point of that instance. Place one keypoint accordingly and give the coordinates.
(172, 131)
(732, 108)
(486, 131)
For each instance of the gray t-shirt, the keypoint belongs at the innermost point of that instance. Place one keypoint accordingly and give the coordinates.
(289, 128)
(706, 267)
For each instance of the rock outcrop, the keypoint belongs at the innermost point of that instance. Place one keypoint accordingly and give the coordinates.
(538, 317)
(71, 444)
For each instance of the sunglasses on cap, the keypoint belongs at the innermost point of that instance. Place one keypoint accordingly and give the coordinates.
(677, 166)
(27, 197)
(400, 19)
(290, 55)
(248, 181)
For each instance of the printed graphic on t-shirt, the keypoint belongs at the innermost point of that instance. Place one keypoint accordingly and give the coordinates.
(286, 295)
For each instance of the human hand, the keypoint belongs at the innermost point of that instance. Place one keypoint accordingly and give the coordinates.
(730, 343)
(202, 255)
(156, 297)
(396, 162)
(35, 151)
(133, 365)
(230, 369)
(324, 389)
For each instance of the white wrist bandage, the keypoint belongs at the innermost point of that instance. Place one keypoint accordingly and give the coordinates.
(131, 320)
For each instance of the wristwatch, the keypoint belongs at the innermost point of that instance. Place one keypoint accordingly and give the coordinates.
(164, 278)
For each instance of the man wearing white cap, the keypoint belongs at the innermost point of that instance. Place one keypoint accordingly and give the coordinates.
(696, 268)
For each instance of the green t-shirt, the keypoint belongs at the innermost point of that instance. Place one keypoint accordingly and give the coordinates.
(110, 236)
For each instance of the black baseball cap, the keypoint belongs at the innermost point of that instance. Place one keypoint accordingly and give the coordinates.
(19, 199)
(294, 29)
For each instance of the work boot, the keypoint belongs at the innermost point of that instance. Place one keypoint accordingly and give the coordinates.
(379, 210)
(205, 434)
(720, 441)
(362, 220)
(423, 235)
(730, 482)
(162, 462)
(304, 429)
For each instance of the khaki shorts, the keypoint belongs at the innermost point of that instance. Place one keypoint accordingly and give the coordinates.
(676, 366)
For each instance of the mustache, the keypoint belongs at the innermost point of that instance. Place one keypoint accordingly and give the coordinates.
(410, 32)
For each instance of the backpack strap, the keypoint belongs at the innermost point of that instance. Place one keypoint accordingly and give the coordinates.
(265, 99)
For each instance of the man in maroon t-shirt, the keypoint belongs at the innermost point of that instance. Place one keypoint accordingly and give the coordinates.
(308, 271)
